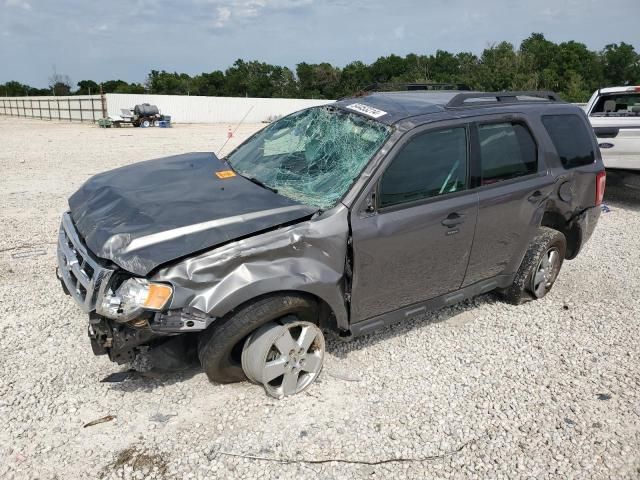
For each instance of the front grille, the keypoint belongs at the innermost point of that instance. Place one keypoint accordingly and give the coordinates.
(85, 279)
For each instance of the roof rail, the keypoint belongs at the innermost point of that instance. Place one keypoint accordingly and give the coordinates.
(460, 100)
(386, 87)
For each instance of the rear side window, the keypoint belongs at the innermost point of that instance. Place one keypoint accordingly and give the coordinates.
(571, 138)
(617, 105)
(431, 164)
(507, 150)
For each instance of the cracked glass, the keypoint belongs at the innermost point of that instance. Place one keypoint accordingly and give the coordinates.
(312, 156)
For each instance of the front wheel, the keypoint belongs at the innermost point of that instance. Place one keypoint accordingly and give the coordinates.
(540, 267)
(284, 357)
(221, 346)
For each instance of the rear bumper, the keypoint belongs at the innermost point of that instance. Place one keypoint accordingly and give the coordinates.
(585, 223)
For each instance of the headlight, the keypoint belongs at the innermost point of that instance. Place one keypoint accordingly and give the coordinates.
(134, 296)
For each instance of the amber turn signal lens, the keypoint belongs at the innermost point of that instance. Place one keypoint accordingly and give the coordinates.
(158, 296)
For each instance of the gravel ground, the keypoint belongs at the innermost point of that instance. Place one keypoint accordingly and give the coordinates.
(483, 390)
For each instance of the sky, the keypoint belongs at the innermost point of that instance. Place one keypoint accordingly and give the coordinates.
(126, 39)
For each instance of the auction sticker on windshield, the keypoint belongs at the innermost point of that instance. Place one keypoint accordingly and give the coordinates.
(367, 110)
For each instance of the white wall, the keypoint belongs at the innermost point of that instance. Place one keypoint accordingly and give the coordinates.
(194, 109)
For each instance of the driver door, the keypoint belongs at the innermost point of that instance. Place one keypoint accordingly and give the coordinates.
(413, 243)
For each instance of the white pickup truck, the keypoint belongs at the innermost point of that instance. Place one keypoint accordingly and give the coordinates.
(614, 113)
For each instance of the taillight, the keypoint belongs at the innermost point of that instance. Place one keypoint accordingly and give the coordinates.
(601, 181)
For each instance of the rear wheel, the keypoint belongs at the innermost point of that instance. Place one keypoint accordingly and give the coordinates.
(220, 346)
(540, 267)
(145, 123)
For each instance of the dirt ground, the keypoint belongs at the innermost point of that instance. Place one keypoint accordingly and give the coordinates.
(550, 389)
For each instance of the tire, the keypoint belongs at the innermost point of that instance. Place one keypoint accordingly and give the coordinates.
(145, 123)
(220, 346)
(285, 357)
(524, 285)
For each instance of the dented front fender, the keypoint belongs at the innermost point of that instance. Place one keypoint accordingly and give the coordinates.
(307, 257)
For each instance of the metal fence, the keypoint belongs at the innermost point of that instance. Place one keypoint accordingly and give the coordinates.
(85, 108)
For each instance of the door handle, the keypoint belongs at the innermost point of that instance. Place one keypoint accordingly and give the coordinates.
(453, 219)
(535, 196)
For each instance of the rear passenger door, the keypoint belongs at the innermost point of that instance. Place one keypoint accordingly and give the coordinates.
(512, 187)
(412, 243)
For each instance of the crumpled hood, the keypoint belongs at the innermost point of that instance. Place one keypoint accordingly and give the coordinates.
(143, 215)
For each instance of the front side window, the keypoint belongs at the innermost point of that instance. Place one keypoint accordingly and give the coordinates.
(312, 156)
(507, 151)
(430, 164)
(571, 138)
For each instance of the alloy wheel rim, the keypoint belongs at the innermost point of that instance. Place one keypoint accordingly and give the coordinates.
(285, 358)
(546, 272)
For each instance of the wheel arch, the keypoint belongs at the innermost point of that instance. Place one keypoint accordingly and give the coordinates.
(332, 311)
(326, 315)
(571, 231)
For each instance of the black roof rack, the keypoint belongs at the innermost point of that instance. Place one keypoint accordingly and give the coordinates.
(460, 100)
(387, 87)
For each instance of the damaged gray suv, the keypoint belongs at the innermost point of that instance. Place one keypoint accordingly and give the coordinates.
(346, 217)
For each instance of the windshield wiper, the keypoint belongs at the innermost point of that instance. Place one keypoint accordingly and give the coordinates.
(258, 182)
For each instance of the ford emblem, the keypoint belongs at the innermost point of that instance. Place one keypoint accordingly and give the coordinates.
(606, 145)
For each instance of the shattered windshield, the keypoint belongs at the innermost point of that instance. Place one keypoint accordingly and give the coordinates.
(312, 156)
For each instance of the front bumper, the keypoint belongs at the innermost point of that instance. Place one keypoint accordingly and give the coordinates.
(87, 281)
(120, 341)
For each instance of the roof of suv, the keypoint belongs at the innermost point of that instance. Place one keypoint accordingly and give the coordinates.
(393, 107)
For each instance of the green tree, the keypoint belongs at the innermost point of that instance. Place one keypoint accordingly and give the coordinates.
(497, 68)
(576, 89)
(253, 79)
(88, 87)
(568, 68)
(386, 69)
(444, 67)
(621, 64)
(320, 80)
(167, 83)
(576, 59)
(60, 84)
(354, 78)
(14, 89)
(209, 84)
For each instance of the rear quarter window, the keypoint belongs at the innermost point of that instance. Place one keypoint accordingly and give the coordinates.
(571, 138)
